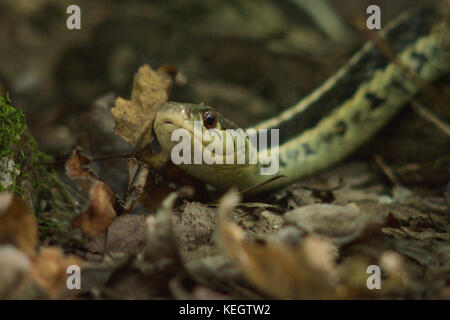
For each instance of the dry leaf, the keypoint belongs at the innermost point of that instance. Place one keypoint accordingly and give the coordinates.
(44, 276)
(161, 240)
(125, 235)
(78, 165)
(278, 270)
(14, 270)
(100, 213)
(134, 118)
(341, 224)
(49, 270)
(18, 225)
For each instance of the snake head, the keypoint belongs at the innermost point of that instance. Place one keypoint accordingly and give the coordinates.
(198, 122)
(174, 115)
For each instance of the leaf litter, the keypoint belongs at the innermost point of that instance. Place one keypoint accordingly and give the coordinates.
(313, 242)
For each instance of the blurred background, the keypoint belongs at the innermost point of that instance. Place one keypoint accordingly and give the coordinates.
(249, 59)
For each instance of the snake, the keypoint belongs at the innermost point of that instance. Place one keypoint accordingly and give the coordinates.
(330, 123)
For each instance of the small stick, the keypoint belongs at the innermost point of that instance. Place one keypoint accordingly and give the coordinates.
(114, 156)
(259, 185)
(243, 192)
(136, 187)
(386, 169)
(430, 117)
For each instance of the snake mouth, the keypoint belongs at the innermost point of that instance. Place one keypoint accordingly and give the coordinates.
(167, 124)
(169, 121)
(170, 118)
(173, 116)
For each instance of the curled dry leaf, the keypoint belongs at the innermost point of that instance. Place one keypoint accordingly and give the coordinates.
(278, 270)
(341, 224)
(397, 276)
(134, 118)
(50, 270)
(43, 276)
(100, 213)
(78, 165)
(14, 270)
(18, 225)
(161, 241)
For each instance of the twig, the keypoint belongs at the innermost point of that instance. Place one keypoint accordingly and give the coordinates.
(430, 117)
(114, 156)
(386, 169)
(135, 187)
(259, 185)
(252, 188)
(63, 161)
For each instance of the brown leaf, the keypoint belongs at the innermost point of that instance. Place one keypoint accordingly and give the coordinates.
(100, 213)
(49, 270)
(134, 118)
(15, 266)
(18, 225)
(78, 164)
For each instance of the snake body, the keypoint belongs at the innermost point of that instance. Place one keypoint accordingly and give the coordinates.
(336, 118)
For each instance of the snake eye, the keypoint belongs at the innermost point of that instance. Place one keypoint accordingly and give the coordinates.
(209, 119)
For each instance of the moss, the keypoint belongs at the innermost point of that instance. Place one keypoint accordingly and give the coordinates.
(12, 127)
(21, 163)
(19, 150)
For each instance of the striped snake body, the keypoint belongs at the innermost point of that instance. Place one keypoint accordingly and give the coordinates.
(336, 118)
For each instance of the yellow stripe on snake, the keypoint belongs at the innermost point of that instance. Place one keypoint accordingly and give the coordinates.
(337, 117)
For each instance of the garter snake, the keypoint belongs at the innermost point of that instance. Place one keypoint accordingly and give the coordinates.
(336, 118)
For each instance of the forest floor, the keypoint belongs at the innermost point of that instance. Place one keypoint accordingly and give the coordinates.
(141, 234)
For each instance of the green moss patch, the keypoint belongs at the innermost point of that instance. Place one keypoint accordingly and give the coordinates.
(19, 156)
